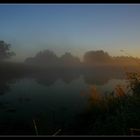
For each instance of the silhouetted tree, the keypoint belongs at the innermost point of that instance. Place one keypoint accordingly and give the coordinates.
(92, 57)
(49, 58)
(128, 60)
(5, 51)
(29, 60)
(45, 58)
(69, 60)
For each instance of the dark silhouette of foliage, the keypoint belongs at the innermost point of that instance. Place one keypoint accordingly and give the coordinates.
(45, 58)
(92, 57)
(5, 50)
(126, 60)
(114, 114)
(49, 58)
(69, 60)
(134, 80)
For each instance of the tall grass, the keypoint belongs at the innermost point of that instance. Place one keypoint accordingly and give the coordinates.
(114, 114)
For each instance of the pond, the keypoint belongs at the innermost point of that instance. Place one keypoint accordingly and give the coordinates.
(49, 101)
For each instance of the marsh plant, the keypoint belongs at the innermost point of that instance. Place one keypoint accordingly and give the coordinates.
(115, 114)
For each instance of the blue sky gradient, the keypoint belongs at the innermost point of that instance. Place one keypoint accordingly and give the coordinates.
(76, 28)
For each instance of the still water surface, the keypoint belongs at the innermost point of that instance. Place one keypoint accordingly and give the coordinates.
(53, 104)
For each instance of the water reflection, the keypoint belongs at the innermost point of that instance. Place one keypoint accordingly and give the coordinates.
(96, 76)
(2, 106)
(23, 99)
(47, 77)
(58, 106)
(8, 75)
(101, 75)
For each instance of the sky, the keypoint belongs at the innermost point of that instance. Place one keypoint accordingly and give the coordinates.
(75, 28)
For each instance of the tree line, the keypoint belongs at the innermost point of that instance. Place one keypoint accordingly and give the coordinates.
(49, 58)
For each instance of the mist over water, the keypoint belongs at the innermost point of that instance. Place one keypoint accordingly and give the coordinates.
(69, 69)
(52, 96)
(54, 90)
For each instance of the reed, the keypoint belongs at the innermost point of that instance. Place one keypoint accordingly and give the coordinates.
(56, 132)
(116, 113)
(36, 130)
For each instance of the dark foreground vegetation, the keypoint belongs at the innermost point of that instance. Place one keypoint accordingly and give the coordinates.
(115, 114)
